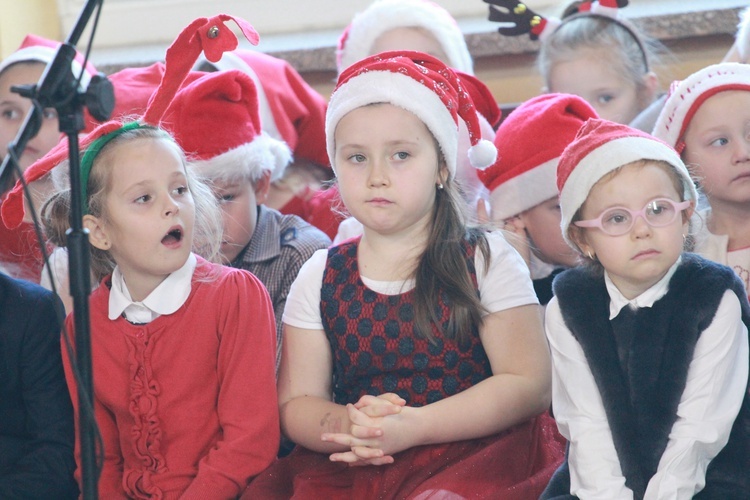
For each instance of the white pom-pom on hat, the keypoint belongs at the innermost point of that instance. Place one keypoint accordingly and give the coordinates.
(483, 154)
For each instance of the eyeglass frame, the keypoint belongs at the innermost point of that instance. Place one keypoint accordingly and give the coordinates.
(679, 207)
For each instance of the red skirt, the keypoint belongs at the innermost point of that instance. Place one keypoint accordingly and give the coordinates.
(516, 464)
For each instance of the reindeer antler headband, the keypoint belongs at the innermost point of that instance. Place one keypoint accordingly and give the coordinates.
(523, 20)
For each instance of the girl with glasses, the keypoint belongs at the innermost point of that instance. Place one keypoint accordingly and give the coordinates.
(649, 344)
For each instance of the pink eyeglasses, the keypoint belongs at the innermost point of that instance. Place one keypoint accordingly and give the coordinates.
(617, 221)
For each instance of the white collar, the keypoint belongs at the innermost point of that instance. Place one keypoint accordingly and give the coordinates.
(617, 300)
(166, 298)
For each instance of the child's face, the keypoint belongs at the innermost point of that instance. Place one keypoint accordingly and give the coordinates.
(592, 77)
(13, 110)
(239, 202)
(410, 38)
(717, 147)
(542, 224)
(387, 168)
(636, 260)
(148, 226)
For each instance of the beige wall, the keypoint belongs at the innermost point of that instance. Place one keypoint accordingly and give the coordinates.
(513, 78)
(20, 17)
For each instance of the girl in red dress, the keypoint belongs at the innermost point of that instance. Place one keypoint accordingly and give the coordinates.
(414, 364)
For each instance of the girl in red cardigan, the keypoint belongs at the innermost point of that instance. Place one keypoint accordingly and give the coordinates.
(183, 350)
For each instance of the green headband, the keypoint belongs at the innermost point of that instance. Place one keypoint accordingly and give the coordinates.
(93, 151)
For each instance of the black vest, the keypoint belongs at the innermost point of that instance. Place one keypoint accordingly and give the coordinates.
(640, 362)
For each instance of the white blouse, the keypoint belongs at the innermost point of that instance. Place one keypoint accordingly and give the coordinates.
(505, 285)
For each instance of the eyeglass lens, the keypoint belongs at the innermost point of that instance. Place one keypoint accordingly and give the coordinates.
(620, 220)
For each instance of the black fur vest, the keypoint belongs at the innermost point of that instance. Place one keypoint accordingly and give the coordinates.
(640, 362)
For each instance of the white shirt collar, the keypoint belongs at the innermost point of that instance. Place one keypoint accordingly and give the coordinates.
(617, 300)
(166, 298)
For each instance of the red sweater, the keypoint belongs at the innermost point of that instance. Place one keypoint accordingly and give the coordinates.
(186, 404)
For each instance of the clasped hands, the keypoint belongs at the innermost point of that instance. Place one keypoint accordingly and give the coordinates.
(376, 432)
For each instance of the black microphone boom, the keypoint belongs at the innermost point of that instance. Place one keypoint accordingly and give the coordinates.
(58, 88)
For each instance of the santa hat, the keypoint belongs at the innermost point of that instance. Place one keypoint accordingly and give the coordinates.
(203, 34)
(420, 84)
(290, 109)
(686, 96)
(43, 50)
(216, 122)
(600, 147)
(133, 89)
(358, 38)
(531, 139)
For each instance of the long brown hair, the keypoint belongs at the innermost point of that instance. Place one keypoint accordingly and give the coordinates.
(442, 269)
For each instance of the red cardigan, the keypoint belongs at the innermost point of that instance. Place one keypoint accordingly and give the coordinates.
(186, 404)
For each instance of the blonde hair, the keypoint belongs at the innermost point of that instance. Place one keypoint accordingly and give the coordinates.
(208, 222)
(632, 54)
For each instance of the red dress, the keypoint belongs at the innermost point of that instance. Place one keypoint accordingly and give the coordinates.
(375, 351)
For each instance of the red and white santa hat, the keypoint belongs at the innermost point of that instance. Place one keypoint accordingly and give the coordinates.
(686, 96)
(290, 109)
(600, 147)
(216, 122)
(420, 84)
(208, 35)
(43, 50)
(531, 139)
(358, 38)
(134, 88)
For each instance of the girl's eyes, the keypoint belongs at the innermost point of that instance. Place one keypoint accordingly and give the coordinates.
(226, 197)
(605, 98)
(357, 158)
(616, 218)
(401, 155)
(178, 191)
(721, 141)
(10, 114)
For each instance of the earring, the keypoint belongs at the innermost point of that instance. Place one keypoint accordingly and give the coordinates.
(440, 186)
(590, 255)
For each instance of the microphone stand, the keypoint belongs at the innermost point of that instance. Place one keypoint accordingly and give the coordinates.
(58, 89)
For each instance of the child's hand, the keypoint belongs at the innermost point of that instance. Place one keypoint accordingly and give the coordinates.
(373, 440)
(376, 405)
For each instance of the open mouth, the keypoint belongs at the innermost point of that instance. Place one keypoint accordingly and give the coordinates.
(173, 236)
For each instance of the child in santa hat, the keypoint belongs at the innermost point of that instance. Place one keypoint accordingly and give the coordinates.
(182, 348)
(649, 344)
(706, 118)
(215, 120)
(424, 26)
(290, 111)
(20, 255)
(523, 193)
(391, 336)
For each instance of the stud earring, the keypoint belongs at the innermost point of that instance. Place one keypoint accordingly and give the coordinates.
(440, 186)
(590, 255)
